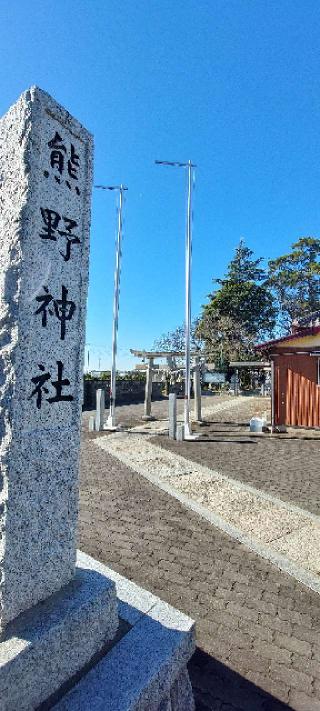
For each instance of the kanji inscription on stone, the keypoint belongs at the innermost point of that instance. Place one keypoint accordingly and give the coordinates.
(45, 192)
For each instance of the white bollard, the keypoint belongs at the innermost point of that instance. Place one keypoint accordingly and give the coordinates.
(172, 415)
(100, 407)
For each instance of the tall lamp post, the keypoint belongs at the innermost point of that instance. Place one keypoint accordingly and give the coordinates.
(190, 168)
(111, 421)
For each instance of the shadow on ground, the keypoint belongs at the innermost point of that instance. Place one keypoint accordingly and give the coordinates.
(218, 688)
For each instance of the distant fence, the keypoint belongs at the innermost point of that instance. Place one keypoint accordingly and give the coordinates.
(127, 391)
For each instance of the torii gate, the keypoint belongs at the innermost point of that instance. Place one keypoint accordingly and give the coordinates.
(150, 356)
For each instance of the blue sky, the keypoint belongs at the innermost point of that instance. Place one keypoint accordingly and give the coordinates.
(233, 85)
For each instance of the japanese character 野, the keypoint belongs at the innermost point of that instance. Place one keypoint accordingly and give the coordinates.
(70, 237)
(50, 231)
(63, 308)
(51, 219)
(40, 382)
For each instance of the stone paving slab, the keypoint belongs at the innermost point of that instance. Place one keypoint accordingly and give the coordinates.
(303, 546)
(257, 628)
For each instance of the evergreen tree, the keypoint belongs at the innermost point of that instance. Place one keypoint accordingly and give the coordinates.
(295, 280)
(240, 311)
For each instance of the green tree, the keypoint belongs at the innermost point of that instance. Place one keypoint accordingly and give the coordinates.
(295, 280)
(240, 311)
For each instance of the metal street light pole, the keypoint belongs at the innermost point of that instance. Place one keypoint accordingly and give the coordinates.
(190, 166)
(111, 421)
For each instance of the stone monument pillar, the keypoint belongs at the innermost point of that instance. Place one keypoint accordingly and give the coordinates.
(46, 165)
(45, 192)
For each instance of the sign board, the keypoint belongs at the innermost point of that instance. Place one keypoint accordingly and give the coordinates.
(214, 378)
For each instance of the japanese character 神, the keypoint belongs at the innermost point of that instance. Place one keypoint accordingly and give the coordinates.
(63, 308)
(40, 380)
(44, 302)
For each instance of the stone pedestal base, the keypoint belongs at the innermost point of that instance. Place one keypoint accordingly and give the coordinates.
(148, 418)
(147, 669)
(45, 657)
(50, 643)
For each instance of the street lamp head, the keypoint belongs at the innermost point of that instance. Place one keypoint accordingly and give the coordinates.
(176, 163)
(112, 187)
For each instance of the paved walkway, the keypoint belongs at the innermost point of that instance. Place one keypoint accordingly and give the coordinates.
(282, 533)
(285, 466)
(258, 628)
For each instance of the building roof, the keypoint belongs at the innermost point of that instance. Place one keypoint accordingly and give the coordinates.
(160, 354)
(310, 331)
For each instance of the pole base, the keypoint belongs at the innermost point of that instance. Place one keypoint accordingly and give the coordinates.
(111, 426)
(189, 436)
(148, 418)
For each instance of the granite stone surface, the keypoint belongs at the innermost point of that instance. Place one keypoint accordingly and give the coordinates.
(146, 670)
(45, 189)
(48, 644)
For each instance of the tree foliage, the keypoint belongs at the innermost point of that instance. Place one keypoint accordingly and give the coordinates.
(240, 311)
(295, 280)
(175, 340)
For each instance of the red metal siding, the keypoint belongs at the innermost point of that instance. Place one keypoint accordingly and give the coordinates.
(297, 401)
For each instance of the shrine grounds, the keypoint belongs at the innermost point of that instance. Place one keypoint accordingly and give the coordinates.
(258, 628)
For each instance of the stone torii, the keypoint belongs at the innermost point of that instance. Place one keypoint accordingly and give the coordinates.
(150, 356)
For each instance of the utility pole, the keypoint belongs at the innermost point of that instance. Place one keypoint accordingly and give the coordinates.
(111, 421)
(190, 168)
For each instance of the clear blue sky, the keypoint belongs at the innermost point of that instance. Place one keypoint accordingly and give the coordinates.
(233, 85)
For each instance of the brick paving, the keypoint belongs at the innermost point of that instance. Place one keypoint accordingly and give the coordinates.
(284, 467)
(257, 628)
